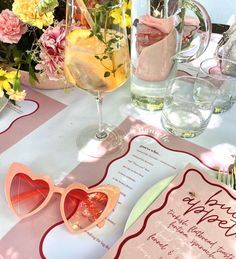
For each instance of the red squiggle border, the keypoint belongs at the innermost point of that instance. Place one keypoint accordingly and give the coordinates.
(163, 205)
(22, 115)
(105, 175)
(44, 236)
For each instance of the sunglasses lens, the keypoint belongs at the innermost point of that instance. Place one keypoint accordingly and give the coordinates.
(27, 194)
(82, 209)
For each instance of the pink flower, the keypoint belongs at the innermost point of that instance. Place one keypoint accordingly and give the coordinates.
(11, 28)
(52, 45)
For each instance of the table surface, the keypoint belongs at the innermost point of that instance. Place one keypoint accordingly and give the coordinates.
(51, 148)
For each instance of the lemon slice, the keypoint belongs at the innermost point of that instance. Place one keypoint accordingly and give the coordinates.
(84, 67)
(81, 38)
(78, 34)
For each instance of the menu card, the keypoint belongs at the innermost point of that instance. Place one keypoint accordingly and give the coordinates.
(195, 217)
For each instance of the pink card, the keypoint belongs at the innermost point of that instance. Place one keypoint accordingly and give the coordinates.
(19, 120)
(195, 217)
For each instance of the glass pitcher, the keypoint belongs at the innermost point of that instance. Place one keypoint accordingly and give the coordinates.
(163, 34)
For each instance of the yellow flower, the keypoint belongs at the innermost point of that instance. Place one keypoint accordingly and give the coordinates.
(16, 95)
(26, 10)
(8, 82)
(117, 14)
(7, 79)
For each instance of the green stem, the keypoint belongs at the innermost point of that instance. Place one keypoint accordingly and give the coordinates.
(105, 27)
(113, 65)
(18, 69)
(106, 66)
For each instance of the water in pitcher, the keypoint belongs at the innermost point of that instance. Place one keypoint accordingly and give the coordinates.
(156, 43)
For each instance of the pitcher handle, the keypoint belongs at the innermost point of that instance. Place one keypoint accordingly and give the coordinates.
(204, 25)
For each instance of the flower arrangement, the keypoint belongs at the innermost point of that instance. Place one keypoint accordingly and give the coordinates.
(32, 38)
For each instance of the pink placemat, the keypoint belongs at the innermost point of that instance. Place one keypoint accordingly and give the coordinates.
(30, 238)
(18, 121)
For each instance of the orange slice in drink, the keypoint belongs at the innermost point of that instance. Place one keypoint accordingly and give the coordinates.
(88, 66)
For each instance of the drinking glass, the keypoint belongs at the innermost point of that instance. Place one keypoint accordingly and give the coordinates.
(222, 73)
(97, 61)
(188, 106)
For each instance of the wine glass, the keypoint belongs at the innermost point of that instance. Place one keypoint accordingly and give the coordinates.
(97, 60)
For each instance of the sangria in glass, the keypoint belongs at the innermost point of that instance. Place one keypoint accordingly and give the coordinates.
(97, 60)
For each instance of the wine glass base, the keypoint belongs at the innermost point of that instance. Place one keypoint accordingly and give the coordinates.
(89, 144)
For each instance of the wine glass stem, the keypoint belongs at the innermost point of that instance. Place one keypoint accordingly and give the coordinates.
(101, 134)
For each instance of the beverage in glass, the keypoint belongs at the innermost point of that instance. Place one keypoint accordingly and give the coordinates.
(97, 60)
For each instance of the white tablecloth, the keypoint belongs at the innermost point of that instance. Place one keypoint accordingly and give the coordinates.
(51, 148)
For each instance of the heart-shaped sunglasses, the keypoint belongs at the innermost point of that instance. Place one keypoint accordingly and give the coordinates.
(81, 207)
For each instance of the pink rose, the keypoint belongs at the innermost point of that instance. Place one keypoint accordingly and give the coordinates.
(11, 28)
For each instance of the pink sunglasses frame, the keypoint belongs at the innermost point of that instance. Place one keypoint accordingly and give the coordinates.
(112, 193)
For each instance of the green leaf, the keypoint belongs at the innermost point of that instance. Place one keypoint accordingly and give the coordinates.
(107, 74)
(114, 40)
(100, 37)
(17, 56)
(16, 84)
(28, 59)
(32, 76)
